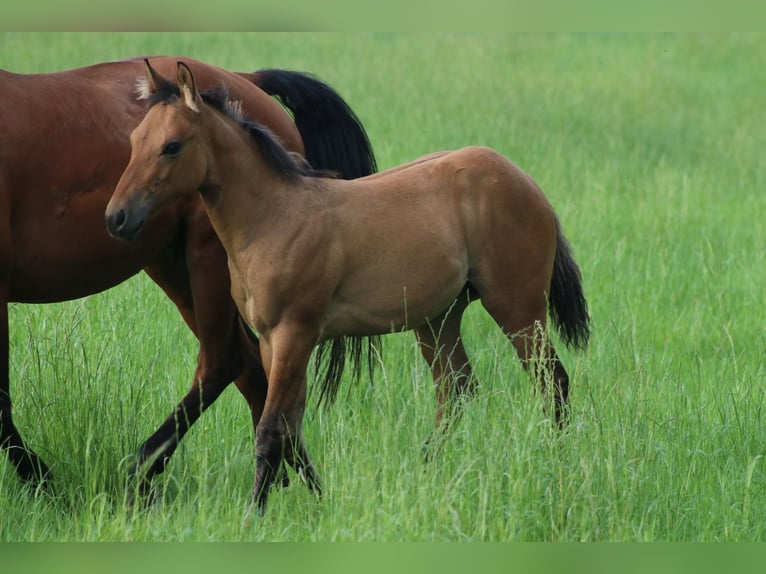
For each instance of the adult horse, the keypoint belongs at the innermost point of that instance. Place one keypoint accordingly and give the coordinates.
(314, 259)
(63, 145)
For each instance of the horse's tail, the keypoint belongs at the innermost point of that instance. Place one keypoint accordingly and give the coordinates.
(567, 304)
(334, 353)
(333, 137)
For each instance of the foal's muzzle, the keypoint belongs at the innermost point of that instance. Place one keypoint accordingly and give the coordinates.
(123, 224)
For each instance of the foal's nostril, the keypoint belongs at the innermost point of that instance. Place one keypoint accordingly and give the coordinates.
(124, 224)
(116, 221)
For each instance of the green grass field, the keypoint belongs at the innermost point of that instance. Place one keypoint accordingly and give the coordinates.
(649, 147)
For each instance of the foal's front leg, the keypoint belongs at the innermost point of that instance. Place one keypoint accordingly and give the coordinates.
(285, 352)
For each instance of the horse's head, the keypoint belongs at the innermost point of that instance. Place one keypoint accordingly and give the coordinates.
(168, 159)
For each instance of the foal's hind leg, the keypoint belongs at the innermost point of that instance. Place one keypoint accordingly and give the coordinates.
(442, 348)
(522, 315)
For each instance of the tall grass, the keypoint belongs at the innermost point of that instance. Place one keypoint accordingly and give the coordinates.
(649, 147)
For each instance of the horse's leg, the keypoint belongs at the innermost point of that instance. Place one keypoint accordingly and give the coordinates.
(442, 347)
(28, 465)
(278, 436)
(154, 453)
(199, 286)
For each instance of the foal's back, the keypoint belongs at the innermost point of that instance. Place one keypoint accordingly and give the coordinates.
(446, 193)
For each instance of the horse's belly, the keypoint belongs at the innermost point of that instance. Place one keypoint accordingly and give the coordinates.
(49, 266)
(63, 281)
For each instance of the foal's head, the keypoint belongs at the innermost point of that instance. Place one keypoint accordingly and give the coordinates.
(172, 151)
(169, 156)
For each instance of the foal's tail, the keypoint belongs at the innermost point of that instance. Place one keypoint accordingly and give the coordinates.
(333, 137)
(568, 307)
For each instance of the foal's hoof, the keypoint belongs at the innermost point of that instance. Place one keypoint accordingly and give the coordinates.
(561, 416)
(255, 510)
(282, 479)
(432, 447)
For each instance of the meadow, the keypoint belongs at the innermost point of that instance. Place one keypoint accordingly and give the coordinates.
(650, 149)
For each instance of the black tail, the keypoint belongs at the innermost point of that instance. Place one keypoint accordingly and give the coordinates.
(568, 307)
(333, 137)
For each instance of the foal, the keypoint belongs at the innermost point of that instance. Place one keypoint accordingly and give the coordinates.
(314, 259)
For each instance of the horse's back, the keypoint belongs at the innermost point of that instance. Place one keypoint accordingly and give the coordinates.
(111, 88)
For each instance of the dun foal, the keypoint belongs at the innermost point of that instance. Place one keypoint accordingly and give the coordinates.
(315, 259)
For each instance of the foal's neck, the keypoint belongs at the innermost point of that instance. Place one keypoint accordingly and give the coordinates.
(244, 195)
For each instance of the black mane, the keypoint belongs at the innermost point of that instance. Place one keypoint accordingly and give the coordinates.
(288, 164)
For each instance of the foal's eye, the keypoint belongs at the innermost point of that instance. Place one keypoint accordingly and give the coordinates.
(171, 148)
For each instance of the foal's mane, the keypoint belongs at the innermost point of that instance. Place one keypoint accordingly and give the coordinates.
(290, 165)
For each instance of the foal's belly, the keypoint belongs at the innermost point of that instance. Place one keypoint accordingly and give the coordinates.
(395, 299)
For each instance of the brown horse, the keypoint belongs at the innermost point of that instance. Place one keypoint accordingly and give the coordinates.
(63, 145)
(314, 259)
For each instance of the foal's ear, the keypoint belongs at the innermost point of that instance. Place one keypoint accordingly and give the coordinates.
(153, 79)
(188, 88)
